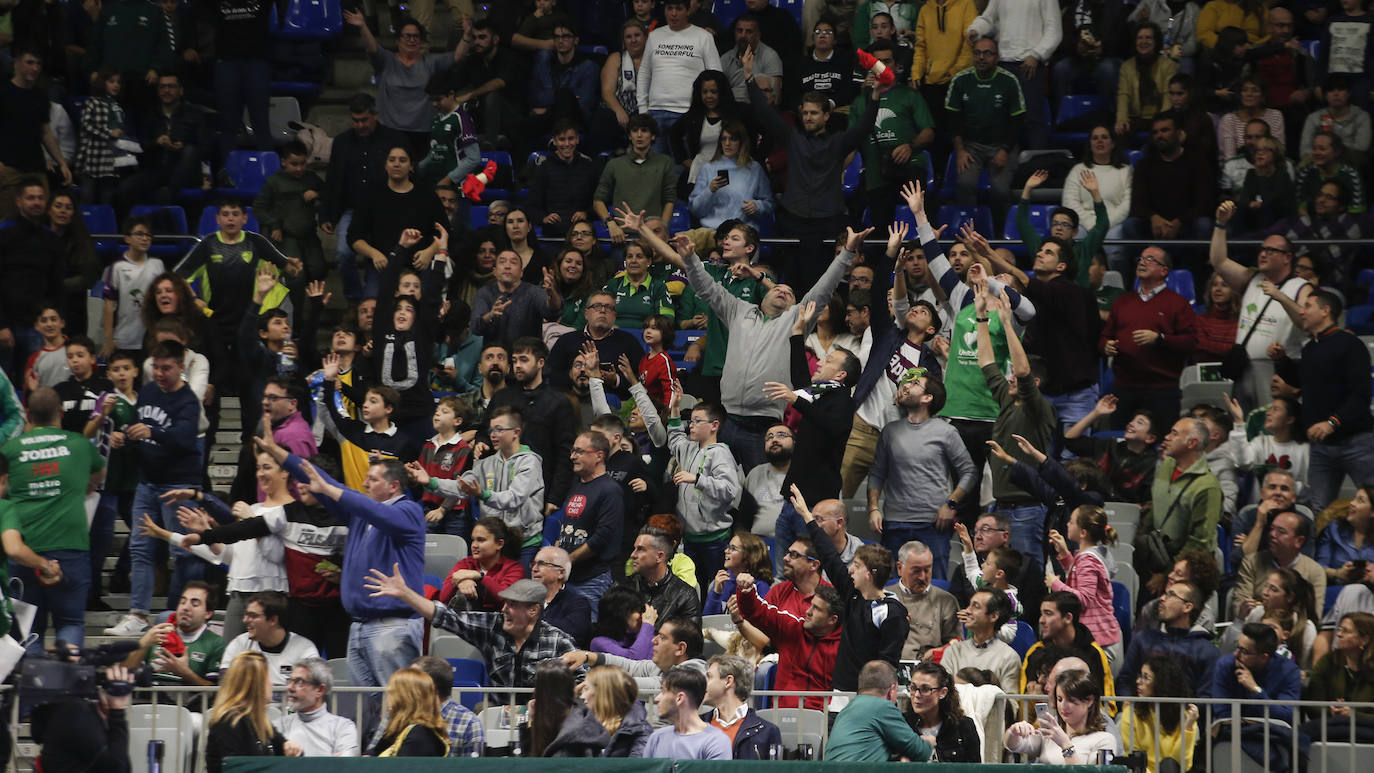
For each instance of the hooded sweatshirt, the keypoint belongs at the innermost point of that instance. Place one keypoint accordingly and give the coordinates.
(512, 489)
(1088, 575)
(805, 661)
(704, 506)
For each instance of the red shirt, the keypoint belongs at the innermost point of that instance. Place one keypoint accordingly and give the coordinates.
(658, 374)
(501, 576)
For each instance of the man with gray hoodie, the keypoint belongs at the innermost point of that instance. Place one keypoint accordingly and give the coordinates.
(509, 482)
(758, 350)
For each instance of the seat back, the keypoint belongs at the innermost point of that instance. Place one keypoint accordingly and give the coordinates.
(311, 20)
(799, 726)
(955, 216)
(1025, 637)
(170, 724)
(207, 224)
(446, 645)
(1121, 608)
(249, 169)
(442, 551)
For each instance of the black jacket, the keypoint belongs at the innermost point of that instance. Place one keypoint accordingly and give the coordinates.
(75, 738)
(629, 739)
(550, 426)
(31, 262)
(1064, 332)
(609, 349)
(821, 435)
(860, 640)
(564, 188)
(670, 596)
(754, 736)
(189, 123)
(580, 736)
(956, 741)
(355, 167)
(239, 740)
(1334, 377)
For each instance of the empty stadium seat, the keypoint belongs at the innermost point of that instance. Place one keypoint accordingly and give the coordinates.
(1025, 637)
(165, 220)
(248, 170)
(208, 225)
(478, 216)
(1040, 220)
(955, 216)
(1358, 319)
(681, 219)
(308, 20)
(100, 219)
(850, 181)
(949, 185)
(1074, 106)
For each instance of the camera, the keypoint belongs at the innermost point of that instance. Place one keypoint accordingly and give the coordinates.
(81, 676)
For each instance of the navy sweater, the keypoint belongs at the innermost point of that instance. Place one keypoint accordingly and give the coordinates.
(169, 456)
(592, 516)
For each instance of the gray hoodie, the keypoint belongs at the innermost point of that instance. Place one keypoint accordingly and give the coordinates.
(512, 489)
(758, 350)
(704, 506)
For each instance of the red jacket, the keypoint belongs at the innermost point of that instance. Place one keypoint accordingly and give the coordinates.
(446, 463)
(502, 576)
(658, 374)
(1154, 365)
(804, 662)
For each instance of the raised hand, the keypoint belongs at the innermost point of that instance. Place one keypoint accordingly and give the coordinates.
(628, 218)
(410, 237)
(1037, 178)
(1089, 181)
(1028, 448)
(627, 371)
(855, 241)
(1224, 212)
(896, 234)
(440, 236)
(799, 503)
(331, 364)
(1106, 405)
(416, 472)
(996, 450)
(316, 290)
(915, 199)
(378, 583)
(804, 314)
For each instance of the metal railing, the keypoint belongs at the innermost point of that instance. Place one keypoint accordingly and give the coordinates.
(353, 702)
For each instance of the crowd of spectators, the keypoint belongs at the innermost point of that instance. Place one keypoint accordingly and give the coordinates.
(915, 472)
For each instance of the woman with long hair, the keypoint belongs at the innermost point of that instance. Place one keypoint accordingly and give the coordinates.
(1142, 86)
(1349, 539)
(573, 286)
(82, 266)
(695, 136)
(1216, 327)
(521, 238)
(1076, 724)
(1160, 677)
(732, 184)
(238, 722)
(1185, 100)
(561, 725)
(935, 704)
(1103, 156)
(169, 295)
(395, 205)
(830, 332)
(1252, 95)
(415, 727)
(745, 553)
(477, 261)
(1346, 673)
(613, 698)
(624, 624)
(619, 76)
(597, 263)
(476, 582)
(1088, 574)
(1284, 593)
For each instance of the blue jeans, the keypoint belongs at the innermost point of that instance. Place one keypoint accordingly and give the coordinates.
(745, 442)
(1037, 126)
(243, 83)
(1072, 406)
(1074, 76)
(379, 648)
(895, 535)
(665, 120)
(1028, 530)
(147, 500)
(102, 529)
(1330, 462)
(591, 590)
(709, 558)
(65, 601)
(355, 288)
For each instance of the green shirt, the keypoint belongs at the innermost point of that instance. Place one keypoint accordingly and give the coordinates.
(1034, 419)
(634, 302)
(872, 729)
(1106, 296)
(1083, 249)
(50, 470)
(122, 476)
(902, 114)
(986, 105)
(9, 519)
(968, 393)
(717, 337)
(202, 655)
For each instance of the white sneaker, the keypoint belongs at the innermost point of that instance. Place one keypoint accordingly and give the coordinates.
(128, 626)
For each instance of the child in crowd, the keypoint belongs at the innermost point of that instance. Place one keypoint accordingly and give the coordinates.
(81, 393)
(48, 366)
(1088, 574)
(287, 207)
(708, 484)
(445, 456)
(453, 150)
(118, 408)
(657, 372)
(127, 281)
(360, 440)
(1001, 564)
(102, 124)
(1281, 620)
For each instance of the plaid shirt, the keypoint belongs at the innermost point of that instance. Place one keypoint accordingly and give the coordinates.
(95, 156)
(464, 729)
(506, 666)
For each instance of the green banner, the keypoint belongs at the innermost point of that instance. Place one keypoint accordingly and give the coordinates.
(534, 765)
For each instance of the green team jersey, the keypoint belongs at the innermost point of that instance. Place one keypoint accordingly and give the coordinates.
(50, 470)
(445, 135)
(122, 475)
(634, 302)
(902, 114)
(717, 338)
(202, 655)
(9, 519)
(986, 105)
(966, 387)
(1106, 296)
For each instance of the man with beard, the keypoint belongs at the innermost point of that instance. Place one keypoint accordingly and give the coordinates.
(202, 648)
(579, 387)
(493, 362)
(1174, 187)
(309, 721)
(549, 422)
(610, 342)
(763, 484)
(593, 517)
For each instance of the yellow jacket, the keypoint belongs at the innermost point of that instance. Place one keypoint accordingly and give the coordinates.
(1128, 89)
(1220, 14)
(942, 47)
(1138, 734)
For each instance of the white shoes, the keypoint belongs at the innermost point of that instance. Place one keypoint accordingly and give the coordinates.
(127, 626)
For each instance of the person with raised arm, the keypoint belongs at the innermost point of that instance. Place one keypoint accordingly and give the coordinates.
(758, 350)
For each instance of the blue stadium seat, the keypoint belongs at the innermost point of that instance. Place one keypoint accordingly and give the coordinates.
(1134, 157)
(551, 526)
(929, 181)
(468, 672)
(208, 225)
(1365, 278)
(1358, 320)
(850, 182)
(728, 10)
(600, 51)
(681, 219)
(248, 170)
(501, 157)
(1121, 607)
(1314, 47)
(766, 225)
(941, 584)
(1180, 280)
(955, 216)
(100, 219)
(764, 677)
(795, 6)
(1025, 637)
(478, 216)
(1074, 106)
(434, 581)
(1039, 217)
(165, 220)
(309, 20)
(903, 214)
(951, 178)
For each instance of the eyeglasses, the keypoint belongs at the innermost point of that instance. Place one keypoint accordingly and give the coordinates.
(987, 530)
(922, 689)
(1174, 595)
(600, 307)
(548, 565)
(582, 451)
(1245, 651)
(795, 554)
(820, 33)
(1149, 259)
(274, 398)
(583, 234)
(777, 436)
(299, 680)
(700, 421)
(1278, 250)
(493, 429)
(733, 549)
(140, 235)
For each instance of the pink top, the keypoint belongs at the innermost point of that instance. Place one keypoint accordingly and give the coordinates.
(1087, 579)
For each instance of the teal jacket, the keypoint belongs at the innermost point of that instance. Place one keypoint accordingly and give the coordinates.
(871, 729)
